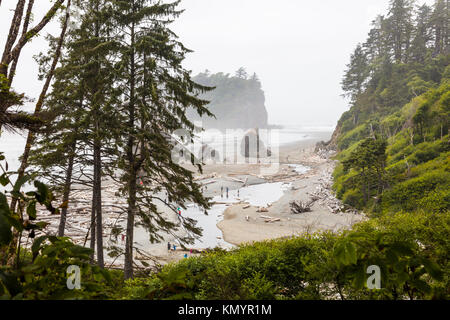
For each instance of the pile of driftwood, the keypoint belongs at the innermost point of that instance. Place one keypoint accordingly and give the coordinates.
(323, 152)
(298, 207)
(324, 194)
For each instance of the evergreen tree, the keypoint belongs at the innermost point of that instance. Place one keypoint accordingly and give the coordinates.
(422, 35)
(59, 154)
(157, 92)
(241, 73)
(58, 45)
(83, 100)
(356, 74)
(376, 43)
(92, 42)
(255, 80)
(369, 159)
(400, 28)
(441, 24)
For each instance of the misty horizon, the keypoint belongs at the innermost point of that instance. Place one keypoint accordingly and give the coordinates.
(299, 60)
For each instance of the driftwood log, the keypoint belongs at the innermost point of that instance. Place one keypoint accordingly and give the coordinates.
(298, 207)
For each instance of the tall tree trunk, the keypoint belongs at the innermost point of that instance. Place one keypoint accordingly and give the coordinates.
(67, 187)
(132, 188)
(92, 227)
(38, 107)
(128, 268)
(98, 200)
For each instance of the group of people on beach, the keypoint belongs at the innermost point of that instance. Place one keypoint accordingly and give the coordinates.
(173, 247)
(227, 192)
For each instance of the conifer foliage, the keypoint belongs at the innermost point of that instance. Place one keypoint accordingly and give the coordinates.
(119, 97)
(156, 94)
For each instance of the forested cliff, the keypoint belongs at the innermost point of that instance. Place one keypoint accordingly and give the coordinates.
(237, 101)
(394, 140)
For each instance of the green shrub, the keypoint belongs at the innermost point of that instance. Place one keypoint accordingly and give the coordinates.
(354, 198)
(411, 250)
(412, 194)
(352, 136)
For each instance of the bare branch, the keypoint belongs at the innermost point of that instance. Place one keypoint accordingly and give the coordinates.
(33, 32)
(26, 22)
(12, 35)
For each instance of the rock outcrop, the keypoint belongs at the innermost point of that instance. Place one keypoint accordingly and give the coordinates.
(237, 103)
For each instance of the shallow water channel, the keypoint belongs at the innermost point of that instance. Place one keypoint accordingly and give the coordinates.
(260, 195)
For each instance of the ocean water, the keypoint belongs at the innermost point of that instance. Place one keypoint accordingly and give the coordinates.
(283, 136)
(12, 144)
(301, 169)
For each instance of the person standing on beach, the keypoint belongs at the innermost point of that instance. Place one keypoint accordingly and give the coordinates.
(221, 191)
(227, 192)
(168, 246)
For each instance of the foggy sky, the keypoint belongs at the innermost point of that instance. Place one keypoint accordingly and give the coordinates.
(298, 48)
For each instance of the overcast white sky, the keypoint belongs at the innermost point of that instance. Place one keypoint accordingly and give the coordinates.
(298, 48)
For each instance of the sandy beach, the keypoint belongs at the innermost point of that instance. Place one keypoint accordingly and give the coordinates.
(244, 224)
(239, 222)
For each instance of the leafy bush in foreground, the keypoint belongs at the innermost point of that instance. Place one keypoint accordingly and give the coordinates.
(410, 249)
(41, 271)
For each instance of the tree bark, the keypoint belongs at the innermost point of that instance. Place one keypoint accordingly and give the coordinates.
(67, 187)
(128, 268)
(12, 35)
(10, 55)
(93, 233)
(26, 22)
(98, 200)
(132, 189)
